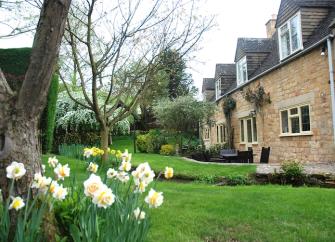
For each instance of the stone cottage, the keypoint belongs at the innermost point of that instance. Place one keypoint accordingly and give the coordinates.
(283, 86)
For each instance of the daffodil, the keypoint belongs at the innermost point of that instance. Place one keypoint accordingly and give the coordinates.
(43, 168)
(168, 172)
(143, 173)
(92, 185)
(112, 152)
(93, 167)
(126, 156)
(52, 161)
(88, 152)
(17, 203)
(104, 197)
(154, 199)
(140, 186)
(59, 192)
(62, 171)
(125, 166)
(41, 182)
(15, 170)
(123, 176)
(139, 215)
(111, 173)
(118, 154)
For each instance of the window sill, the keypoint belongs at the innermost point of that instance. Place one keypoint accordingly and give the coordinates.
(300, 134)
(243, 143)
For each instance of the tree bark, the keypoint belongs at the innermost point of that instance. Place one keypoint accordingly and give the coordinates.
(20, 112)
(104, 135)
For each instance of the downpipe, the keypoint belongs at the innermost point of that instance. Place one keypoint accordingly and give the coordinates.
(331, 78)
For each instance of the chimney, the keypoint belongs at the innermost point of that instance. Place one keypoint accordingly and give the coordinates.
(271, 26)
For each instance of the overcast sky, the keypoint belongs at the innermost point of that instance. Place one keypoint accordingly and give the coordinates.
(234, 18)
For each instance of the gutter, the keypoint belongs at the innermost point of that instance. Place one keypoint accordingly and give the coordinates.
(331, 78)
(304, 51)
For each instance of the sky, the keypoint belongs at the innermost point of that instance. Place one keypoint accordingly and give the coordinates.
(234, 18)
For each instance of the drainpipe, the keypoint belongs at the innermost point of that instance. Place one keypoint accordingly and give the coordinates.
(331, 78)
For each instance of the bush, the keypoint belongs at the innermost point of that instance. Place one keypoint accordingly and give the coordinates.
(293, 172)
(142, 142)
(167, 150)
(150, 142)
(214, 150)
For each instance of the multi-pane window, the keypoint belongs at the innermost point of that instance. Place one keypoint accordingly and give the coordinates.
(290, 37)
(241, 71)
(295, 120)
(206, 133)
(218, 88)
(221, 133)
(248, 130)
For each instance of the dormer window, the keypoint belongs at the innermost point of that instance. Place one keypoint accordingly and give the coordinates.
(218, 88)
(289, 35)
(241, 71)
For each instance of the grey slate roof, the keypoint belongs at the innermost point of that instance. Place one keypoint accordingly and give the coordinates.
(208, 84)
(224, 69)
(252, 45)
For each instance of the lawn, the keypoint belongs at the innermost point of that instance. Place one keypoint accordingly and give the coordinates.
(200, 212)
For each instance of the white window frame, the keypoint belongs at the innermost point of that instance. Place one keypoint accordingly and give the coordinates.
(289, 116)
(254, 140)
(239, 65)
(298, 14)
(221, 138)
(207, 133)
(218, 88)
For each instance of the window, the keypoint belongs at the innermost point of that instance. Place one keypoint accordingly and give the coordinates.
(248, 130)
(290, 37)
(295, 120)
(206, 133)
(218, 88)
(241, 71)
(221, 133)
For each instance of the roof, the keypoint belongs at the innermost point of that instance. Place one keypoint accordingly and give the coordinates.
(208, 84)
(252, 45)
(224, 69)
(290, 6)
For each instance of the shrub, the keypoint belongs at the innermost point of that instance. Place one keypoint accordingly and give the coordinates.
(238, 180)
(142, 142)
(167, 150)
(293, 172)
(151, 142)
(214, 150)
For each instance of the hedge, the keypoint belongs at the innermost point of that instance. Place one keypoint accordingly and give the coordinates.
(14, 64)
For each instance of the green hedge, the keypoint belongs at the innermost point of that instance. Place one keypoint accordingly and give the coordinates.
(14, 64)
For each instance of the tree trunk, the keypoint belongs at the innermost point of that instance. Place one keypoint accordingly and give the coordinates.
(104, 134)
(20, 112)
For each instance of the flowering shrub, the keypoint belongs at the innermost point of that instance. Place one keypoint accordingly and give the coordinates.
(167, 150)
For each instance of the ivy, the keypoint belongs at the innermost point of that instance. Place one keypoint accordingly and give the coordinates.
(258, 97)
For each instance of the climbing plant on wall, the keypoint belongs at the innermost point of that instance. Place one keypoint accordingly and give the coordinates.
(258, 97)
(229, 104)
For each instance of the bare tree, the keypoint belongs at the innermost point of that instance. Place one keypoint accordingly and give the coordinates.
(20, 112)
(114, 49)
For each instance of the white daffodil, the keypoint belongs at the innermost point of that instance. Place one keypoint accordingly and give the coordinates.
(17, 203)
(59, 192)
(92, 185)
(126, 156)
(143, 173)
(62, 171)
(125, 166)
(140, 186)
(111, 173)
(168, 172)
(52, 161)
(88, 152)
(139, 215)
(41, 182)
(123, 176)
(43, 168)
(154, 199)
(93, 167)
(15, 170)
(104, 197)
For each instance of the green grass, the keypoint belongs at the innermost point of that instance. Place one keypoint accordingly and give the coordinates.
(197, 212)
(182, 167)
